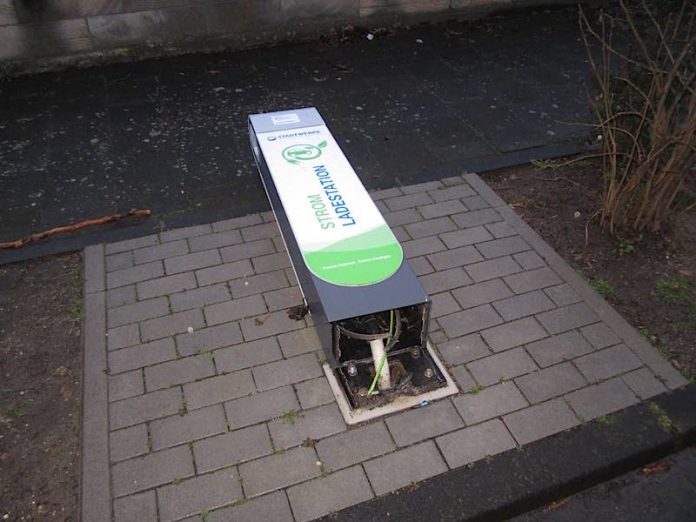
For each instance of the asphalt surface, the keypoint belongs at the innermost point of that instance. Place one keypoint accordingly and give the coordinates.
(171, 134)
(664, 491)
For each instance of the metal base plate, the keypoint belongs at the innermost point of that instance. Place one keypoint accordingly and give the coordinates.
(400, 403)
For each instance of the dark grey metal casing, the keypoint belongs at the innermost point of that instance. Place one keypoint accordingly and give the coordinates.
(327, 302)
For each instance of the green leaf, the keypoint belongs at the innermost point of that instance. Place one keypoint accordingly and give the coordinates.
(322, 144)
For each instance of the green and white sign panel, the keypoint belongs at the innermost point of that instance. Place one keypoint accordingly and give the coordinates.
(343, 238)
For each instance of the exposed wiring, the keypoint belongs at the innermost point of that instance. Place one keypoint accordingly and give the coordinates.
(388, 346)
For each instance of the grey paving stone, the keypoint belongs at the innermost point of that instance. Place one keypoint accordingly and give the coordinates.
(523, 305)
(141, 355)
(256, 232)
(442, 304)
(151, 470)
(607, 363)
(444, 280)
(190, 426)
(354, 446)
(563, 319)
(299, 342)
(502, 247)
(468, 321)
(424, 423)
(258, 284)
(529, 260)
(234, 309)
(490, 402)
(178, 372)
(563, 295)
(446, 208)
(542, 420)
(130, 244)
(504, 365)
(464, 379)
(218, 389)
(260, 407)
(451, 181)
(123, 336)
(421, 247)
(551, 382)
(454, 192)
(216, 240)
(475, 203)
(141, 507)
(128, 443)
(174, 265)
(316, 392)
(119, 261)
(268, 216)
(399, 469)
(156, 252)
(136, 312)
(292, 278)
(376, 195)
(129, 276)
(477, 217)
(183, 233)
(171, 324)
(421, 187)
(126, 385)
(247, 250)
(208, 339)
(501, 229)
(558, 348)
(310, 424)
(475, 443)
(199, 494)
(601, 399)
(408, 201)
(272, 507)
(247, 355)
(199, 297)
(145, 407)
(228, 449)
(271, 262)
(437, 337)
(466, 237)
(283, 298)
(120, 296)
(532, 280)
(166, 285)
(325, 495)
(513, 334)
(421, 266)
(402, 217)
(644, 383)
(600, 336)
(430, 227)
(224, 272)
(455, 257)
(276, 323)
(482, 293)
(238, 222)
(278, 471)
(486, 270)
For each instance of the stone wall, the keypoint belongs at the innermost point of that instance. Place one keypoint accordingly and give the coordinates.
(37, 33)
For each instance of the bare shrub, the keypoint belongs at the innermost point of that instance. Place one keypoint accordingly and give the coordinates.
(644, 65)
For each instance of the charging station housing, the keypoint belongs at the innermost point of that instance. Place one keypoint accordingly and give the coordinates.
(350, 267)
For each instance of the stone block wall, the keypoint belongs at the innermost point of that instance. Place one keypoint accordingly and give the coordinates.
(34, 32)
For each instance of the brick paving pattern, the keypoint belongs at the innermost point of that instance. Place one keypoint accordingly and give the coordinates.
(217, 405)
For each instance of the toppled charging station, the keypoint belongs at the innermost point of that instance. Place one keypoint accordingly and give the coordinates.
(370, 311)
